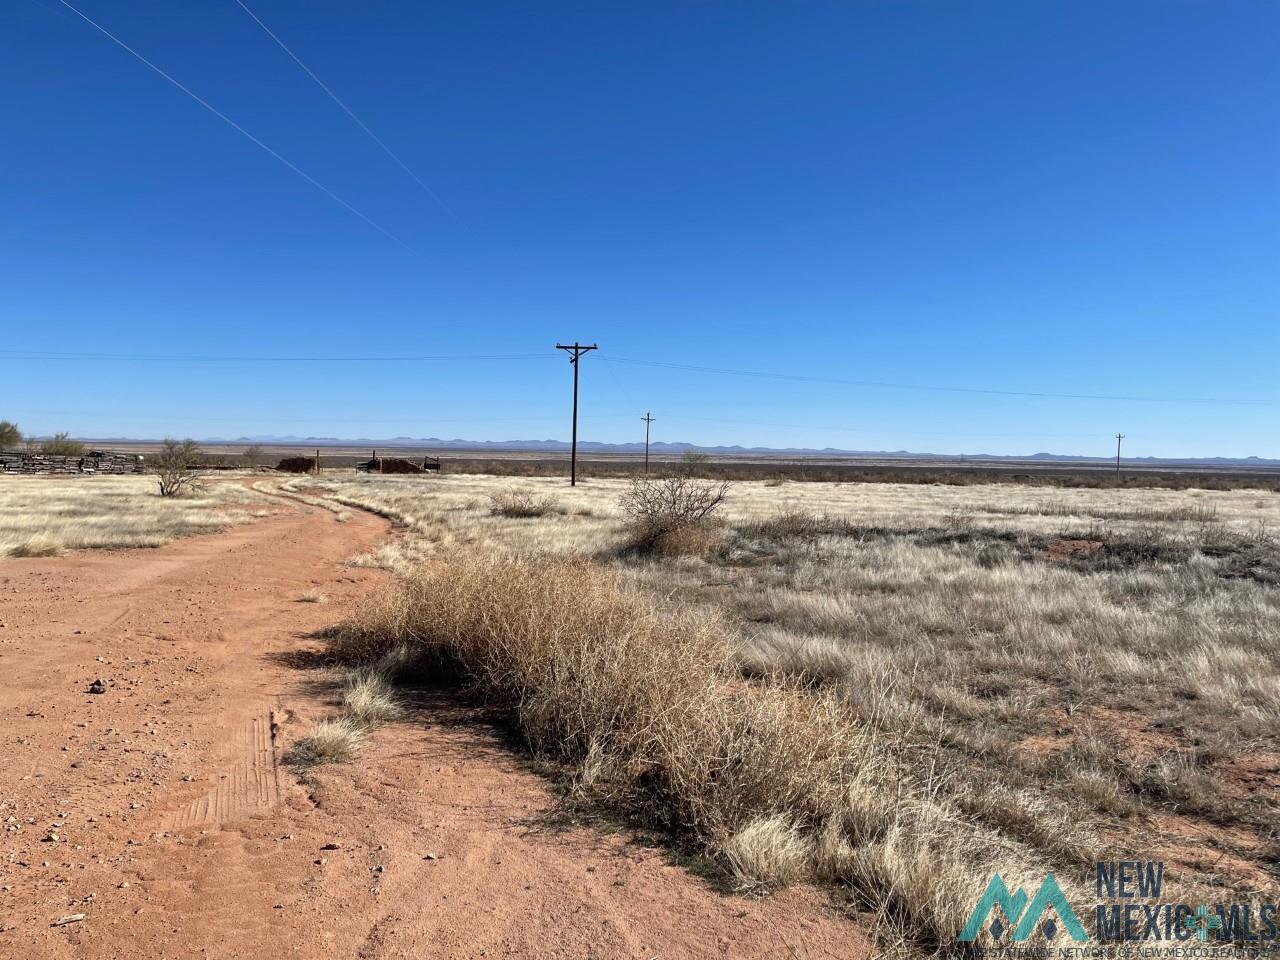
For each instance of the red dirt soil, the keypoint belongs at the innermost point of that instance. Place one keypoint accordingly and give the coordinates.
(158, 809)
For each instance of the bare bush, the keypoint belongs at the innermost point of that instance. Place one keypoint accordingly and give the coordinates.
(10, 435)
(176, 466)
(664, 511)
(61, 445)
(521, 504)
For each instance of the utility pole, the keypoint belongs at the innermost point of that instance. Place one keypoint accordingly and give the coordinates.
(647, 420)
(575, 350)
(1119, 437)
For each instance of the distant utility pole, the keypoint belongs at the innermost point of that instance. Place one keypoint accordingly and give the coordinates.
(647, 420)
(575, 350)
(1119, 437)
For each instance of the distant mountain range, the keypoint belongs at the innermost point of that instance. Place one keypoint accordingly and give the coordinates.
(668, 449)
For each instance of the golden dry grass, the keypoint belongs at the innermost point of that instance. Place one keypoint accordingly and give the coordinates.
(1042, 706)
(369, 700)
(44, 516)
(782, 783)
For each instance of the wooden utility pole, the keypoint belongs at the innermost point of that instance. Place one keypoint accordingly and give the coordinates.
(317, 463)
(1119, 437)
(647, 420)
(575, 350)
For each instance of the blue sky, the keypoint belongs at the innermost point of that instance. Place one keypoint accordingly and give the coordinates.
(1062, 198)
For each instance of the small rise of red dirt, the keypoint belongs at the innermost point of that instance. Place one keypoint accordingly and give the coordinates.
(1061, 550)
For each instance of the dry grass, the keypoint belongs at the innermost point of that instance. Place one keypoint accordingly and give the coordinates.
(369, 700)
(783, 784)
(370, 697)
(521, 504)
(771, 852)
(1045, 703)
(332, 741)
(44, 516)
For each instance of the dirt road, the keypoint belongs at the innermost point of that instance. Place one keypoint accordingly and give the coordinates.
(157, 809)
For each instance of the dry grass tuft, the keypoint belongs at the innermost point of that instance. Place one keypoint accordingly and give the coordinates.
(370, 698)
(36, 545)
(333, 741)
(521, 504)
(770, 852)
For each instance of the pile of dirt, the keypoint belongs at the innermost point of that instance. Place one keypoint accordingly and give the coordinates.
(391, 465)
(296, 465)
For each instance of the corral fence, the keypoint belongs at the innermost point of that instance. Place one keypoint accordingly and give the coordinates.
(95, 461)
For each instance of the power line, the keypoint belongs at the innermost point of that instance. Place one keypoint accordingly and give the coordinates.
(804, 378)
(759, 374)
(239, 129)
(219, 358)
(349, 112)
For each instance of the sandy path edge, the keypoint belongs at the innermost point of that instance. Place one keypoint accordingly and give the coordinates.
(178, 835)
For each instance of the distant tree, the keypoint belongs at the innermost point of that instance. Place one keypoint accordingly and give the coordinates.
(176, 466)
(63, 446)
(252, 455)
(693, 462)
(10, 435)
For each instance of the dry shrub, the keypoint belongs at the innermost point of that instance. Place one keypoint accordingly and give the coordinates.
(582, 665)
(521, 504)
(673, 515)
(175, 466)
(783, 783)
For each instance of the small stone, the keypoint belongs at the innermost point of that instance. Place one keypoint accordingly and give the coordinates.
(98, 686)
(331, 846)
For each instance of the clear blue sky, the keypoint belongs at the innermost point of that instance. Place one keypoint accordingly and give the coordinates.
(1070, 197)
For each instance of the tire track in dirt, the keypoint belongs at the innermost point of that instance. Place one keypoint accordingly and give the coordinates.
(250, 784)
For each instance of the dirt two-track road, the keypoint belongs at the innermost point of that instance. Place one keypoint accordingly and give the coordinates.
(158, 809)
